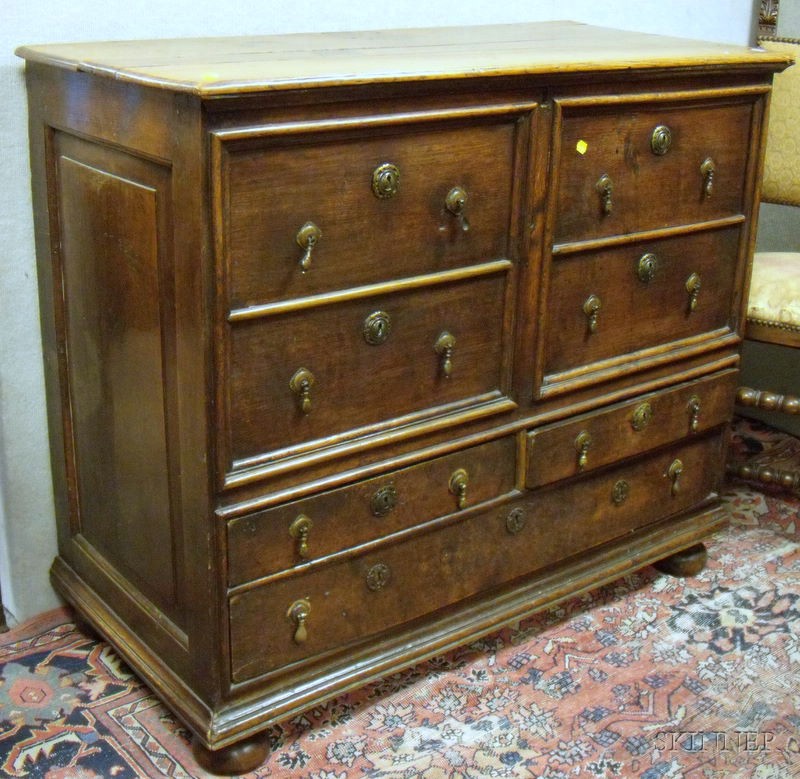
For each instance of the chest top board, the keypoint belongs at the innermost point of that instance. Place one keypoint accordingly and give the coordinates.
(361, 345)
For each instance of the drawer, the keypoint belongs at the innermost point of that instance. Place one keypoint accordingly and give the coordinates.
(297, 618)
(272, 190)
(626, 429)
(649, 190)
(607, 304)
(313, 528)
(363, 364)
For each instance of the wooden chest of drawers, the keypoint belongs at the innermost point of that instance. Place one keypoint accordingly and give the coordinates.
(359, 346)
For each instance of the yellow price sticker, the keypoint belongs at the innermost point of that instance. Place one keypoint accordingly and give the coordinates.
(581, 147)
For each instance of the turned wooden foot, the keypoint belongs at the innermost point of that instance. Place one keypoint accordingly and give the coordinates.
(687, 562)
(239, 758)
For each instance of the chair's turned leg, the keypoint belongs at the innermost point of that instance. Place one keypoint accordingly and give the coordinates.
(768, 401)
(687, 562)
(239, 758)
(765, 474)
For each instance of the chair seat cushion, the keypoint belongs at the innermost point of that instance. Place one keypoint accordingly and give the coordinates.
(775, 289)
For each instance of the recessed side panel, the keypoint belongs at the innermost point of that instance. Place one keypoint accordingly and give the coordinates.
(116, 326)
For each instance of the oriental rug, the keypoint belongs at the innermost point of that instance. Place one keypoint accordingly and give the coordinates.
(649, 677)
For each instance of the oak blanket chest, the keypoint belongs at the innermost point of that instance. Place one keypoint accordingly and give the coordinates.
(361, 345)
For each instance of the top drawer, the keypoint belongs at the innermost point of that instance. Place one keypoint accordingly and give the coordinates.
(339, 204)
(633, 167)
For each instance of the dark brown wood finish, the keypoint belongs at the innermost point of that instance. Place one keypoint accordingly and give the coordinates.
(250, 556)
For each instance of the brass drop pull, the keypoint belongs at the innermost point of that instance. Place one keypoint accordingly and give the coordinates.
(385, 181)
(605, 188)
(674, 473)
(694, 413)
(693, 288)
(591, 308)
(582, 445)
(299, 529)
(444, 346)
(661, 140)
(646, 267)
(301, 384)
(307, 238)
(459, 481)
(708, 169)
(298, 614)
(456, 204)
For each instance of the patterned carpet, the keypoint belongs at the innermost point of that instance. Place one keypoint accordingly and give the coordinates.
(648, 677)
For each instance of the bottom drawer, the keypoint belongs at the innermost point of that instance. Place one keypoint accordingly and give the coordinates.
(306, 616)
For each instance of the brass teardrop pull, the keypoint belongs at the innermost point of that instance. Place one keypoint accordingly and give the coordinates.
(708, 170)
(299, 529)
(693, 285)
(674, 473)
(456, 204)
(605, 188)
(307, 238)
(459, 481)
(582, 445)
(444, 346)
(591, 307)
(298, 614)
(693, 408)
(301, 384)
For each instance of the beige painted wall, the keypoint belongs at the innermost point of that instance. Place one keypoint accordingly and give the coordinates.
(27, 536)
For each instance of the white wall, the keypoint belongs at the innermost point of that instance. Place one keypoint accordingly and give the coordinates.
(27, 536)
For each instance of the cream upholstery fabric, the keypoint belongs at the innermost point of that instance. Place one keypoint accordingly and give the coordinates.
(782, 164)
(775, 289)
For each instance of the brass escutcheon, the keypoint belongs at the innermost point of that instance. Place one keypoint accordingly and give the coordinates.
(693, 407)
(515, 521)
(298, 614)
(674, 473)
(383, 501)
(661, 139)
(708, 170)
(459, 480)
(605, 188)
(378, 576)
(646, 267)
(299, 529)
(620, 492)
(301, 383)
(642, 416)
(377, 327)
(307, 238)
(583, 443)
(385, 180)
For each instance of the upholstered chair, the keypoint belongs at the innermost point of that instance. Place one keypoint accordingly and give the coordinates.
(773, 312)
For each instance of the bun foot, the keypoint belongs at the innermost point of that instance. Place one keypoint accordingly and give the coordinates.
(239, 758)
(687, 562)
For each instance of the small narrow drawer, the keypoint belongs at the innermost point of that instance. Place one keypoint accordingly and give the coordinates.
(303, 379)
(611, 304)
(303, 213)
(629, 168)
(301, 618)
(598, 439)
(314, 528)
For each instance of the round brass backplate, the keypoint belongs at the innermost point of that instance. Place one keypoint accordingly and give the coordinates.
(377, 327)
(661, 139)
(384, 500)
